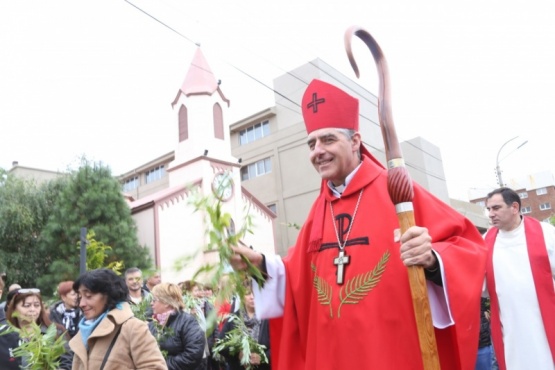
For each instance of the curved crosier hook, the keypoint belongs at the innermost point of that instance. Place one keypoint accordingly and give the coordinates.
(399, 183)
(399, 186)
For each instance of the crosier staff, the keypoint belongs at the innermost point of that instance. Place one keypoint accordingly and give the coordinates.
(399, 186)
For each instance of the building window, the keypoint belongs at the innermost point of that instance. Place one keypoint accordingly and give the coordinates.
(130, 184)
(523, 195)
(545, 206)
(183, 124)
(254, 132)
(155, 174)
(541, 191)
(256, 169)
(273, 208)
(526, 210)
(481, 203)
(218, 121)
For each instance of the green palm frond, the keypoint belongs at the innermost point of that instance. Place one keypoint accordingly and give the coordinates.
(323, 289)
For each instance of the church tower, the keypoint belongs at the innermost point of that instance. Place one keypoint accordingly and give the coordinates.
(202, 132)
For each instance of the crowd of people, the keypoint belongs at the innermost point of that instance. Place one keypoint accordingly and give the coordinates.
(341, 298)
(110, 321)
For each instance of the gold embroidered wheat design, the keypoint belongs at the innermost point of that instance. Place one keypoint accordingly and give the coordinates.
(359, 286)
(323, 289)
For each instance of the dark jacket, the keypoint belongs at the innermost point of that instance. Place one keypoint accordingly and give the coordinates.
(233, 362)
(73, 326)
(485, 332)
(7, 343)
(183, 340)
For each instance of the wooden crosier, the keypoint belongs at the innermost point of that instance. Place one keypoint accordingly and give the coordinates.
(400, 190)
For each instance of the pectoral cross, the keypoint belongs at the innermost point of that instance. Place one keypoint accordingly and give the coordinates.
(341, 261)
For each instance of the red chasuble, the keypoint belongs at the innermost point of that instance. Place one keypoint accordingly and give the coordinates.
(368, 321)
(543, 281)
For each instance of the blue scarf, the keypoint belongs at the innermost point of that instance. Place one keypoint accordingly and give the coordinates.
(86, 327)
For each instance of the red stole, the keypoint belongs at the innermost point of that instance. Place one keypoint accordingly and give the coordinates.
(543, 281)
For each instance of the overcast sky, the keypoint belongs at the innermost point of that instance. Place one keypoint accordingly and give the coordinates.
(97, 78)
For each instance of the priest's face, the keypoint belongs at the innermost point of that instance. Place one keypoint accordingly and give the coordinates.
(504, 217)
(333, 154)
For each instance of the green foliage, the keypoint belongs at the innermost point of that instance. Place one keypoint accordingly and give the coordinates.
(238, 340)
(161, 334)
(96, 255)
(38, 350)
(141, 310)
(24, 211)
(92, 199)
(221, 236)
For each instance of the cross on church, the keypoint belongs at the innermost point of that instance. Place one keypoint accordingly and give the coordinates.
(314, 103)
(341, 261)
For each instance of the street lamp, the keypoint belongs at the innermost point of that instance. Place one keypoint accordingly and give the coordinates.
(497, 161)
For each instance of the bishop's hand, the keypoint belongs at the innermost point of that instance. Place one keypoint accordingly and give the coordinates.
(249, 260)
(416, 247)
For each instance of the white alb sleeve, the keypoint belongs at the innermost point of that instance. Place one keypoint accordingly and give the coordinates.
(270, 300)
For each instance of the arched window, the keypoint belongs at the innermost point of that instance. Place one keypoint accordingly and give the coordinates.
(218, 122)
(183, 124)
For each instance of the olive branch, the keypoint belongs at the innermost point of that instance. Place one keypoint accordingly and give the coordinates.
(38, 350)
(359, 286)
(238, 341)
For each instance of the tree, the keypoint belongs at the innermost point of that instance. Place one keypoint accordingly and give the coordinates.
(24, 211)
(91, 198)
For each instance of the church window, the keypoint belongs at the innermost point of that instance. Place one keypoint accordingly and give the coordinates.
(183, 124)
(218, 122)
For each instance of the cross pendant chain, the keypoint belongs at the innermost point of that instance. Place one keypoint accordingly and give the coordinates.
(341, 261)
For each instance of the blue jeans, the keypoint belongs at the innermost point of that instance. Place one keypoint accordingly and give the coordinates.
(483, 362)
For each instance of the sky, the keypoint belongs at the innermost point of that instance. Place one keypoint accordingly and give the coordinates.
(98, 78)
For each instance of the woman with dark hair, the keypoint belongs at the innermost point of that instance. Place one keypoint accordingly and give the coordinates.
(25, 308)
(109, 336)
(66, 312)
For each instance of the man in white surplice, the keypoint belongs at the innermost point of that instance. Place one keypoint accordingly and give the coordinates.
(519, 277)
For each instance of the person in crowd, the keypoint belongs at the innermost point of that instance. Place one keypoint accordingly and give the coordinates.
(343, 290)
(133, 279)
(109, 336)
(180, 335)
(25, 309)
(484, 360)
(519, 274)
(192, 297)
(152, 280)
(257, 329)
(11, 290)
(66, 311)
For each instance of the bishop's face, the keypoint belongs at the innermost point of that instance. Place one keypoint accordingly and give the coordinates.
(332, 154)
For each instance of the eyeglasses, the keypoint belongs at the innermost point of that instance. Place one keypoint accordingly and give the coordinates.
(28, 290)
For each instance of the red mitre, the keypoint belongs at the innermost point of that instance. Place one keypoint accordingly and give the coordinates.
(326, 106)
